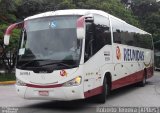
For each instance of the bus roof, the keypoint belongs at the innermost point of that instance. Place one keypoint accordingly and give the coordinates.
(71, 12)
(80, 12)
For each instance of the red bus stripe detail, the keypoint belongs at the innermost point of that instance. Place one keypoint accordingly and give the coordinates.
(41, 86)
(93, 92)
(132, 78)
(150, 72)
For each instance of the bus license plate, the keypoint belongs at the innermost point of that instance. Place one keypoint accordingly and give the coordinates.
(43, 93)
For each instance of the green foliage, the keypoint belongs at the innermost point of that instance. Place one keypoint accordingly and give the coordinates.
(148, 13)
(18, 2)
(66, 4)
(144, 13)
(114, 7)
(2, 30)
(7, 6)
(7, 77)
(28, 8)
(14, 39)
(11, 18)
(117, 9)
(143, 1)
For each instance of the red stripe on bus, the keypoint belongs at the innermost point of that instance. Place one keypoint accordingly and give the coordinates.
(41, 86)
(93, 92)
(150, 72)
(132, 78)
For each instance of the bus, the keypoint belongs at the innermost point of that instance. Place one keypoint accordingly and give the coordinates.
(78, 53)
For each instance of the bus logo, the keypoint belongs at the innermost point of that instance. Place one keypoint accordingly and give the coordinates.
(63, 73)
(118, 53)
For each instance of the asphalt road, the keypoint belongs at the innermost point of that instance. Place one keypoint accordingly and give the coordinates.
(130, 96)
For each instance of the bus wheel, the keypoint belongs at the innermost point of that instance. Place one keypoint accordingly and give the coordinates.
(143, 82)
(101, 98)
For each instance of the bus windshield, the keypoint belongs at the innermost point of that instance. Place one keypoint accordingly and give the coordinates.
(49, 40)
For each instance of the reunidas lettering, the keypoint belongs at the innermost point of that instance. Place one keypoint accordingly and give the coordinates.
(133, 55)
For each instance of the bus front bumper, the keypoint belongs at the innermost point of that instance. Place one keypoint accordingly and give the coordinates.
(59, 93)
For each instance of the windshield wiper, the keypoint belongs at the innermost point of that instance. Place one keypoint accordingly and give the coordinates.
(47, 64)
(59, 63)
(29, 62)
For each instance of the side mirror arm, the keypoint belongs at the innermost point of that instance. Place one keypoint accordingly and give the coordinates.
(9, 31)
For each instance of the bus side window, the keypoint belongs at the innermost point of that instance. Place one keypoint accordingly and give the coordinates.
(117, 36)
(102, 37)
(118, 31)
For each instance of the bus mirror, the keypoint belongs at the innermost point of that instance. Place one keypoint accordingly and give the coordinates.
(9, 31)
(6, 39)
(81, 28)
(81, 25)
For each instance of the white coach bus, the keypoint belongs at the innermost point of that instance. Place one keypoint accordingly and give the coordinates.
(76, 54)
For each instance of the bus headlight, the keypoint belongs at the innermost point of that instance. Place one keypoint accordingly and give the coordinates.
(20, 83)
(74, 82)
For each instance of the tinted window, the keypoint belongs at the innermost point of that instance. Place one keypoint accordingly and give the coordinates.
(143, 40)
(118, 31)
(98, 35)
(130, 35)
(128, 39)
(102, 31)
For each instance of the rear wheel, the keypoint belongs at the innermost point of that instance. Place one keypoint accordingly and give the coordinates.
(143, 82)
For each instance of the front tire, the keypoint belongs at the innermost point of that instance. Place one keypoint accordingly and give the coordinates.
(101, 98)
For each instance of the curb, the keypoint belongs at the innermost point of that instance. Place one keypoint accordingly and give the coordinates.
(7, 82)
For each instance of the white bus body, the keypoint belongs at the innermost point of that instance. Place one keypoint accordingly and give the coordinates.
(118, 62)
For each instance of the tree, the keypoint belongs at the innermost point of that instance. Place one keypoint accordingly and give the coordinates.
(148, 13)
(28, 8)
(114, 7)
(7, 6)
